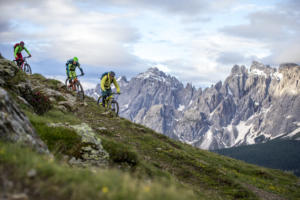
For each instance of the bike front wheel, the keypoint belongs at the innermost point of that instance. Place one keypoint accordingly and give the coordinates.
(114, 107)
(68, 85)
(99, 102)
(27, 69)
(79, 90)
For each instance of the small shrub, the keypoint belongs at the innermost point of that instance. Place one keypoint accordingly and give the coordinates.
(38, 100)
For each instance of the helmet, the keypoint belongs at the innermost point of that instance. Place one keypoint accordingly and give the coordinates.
(112, 73)
(75, 59)
(22, 43)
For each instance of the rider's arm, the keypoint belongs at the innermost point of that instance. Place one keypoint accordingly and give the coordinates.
(27, 51)
(80, 68)
(103, 82)
(16, 51)
(116, 85)
(68, 70)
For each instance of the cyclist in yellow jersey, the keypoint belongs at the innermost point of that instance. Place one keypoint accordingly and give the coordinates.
(106, 81)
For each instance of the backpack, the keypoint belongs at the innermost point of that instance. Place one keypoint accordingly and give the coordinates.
(69, 62)
(15, 46)
(104, 74)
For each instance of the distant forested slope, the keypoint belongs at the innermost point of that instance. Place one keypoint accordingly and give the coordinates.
(277, 154)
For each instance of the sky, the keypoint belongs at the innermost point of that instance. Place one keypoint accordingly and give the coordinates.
(197, 41)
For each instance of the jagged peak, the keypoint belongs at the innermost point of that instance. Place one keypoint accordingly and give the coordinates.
(122, 79)
(260, 66)
(218, 85)
(288, 65)
(151, 72)
(236, 69)
(154, 73)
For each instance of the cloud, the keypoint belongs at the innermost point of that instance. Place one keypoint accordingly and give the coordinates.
(60, 30)
(277, 28)
(231, 58)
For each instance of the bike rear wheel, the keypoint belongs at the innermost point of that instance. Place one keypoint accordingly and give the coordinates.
(27, 69)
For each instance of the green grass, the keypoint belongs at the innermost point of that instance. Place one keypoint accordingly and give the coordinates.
(59, 140)
(53, 116)
(56, 181)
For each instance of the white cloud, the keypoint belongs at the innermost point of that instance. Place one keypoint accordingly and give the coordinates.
(62, 30)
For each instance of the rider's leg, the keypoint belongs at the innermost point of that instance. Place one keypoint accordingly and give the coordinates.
(105, 96)
(103, 99)
(73, 76)
(20, 60)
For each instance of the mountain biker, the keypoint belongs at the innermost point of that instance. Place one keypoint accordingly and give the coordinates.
(106, 81)
(71, 69)
(18, 48)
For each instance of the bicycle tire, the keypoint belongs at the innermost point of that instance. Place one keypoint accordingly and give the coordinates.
(27, 69)
(67, 84)
(114, 107)
(80, 91)
(99, 101)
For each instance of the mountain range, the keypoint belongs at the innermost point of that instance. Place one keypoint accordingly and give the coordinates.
(252, 106)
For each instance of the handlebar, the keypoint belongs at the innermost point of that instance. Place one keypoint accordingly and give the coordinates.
(24, 58)
(113, 93)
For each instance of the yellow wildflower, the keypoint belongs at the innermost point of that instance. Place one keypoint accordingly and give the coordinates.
(104, 189)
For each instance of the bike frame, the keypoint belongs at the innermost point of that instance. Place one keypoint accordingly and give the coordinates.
(24, 62)
(110, 98)
(74, 81)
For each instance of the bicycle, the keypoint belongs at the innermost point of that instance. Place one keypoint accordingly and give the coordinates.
(110, 103)
(75, 85)
(24, 66)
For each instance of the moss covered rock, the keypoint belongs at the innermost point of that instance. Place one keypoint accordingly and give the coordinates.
(91, 151)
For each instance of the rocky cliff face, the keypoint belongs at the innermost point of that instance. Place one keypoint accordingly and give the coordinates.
(251, 106)
(14, 125)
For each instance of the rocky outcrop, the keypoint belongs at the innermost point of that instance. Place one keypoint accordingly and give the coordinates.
(15, 126)
(92, 151)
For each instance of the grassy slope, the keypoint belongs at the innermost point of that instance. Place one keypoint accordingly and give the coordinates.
(146, 155)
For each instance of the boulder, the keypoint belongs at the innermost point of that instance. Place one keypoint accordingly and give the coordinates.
(15, 126)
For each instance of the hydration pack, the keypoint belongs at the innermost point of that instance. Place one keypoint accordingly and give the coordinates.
(104, 74)
(15, 46)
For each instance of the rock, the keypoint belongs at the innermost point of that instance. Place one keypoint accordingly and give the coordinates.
(101, 128)
(92, 151)
(7, 69)
(21, 196)
(31, 173)
(15, 126)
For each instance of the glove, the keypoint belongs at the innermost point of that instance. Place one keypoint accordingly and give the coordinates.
(82, 73)
(29, 55)
(118, 92)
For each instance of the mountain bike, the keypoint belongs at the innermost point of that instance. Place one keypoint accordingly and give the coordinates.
(75, 85)
(110, 103)
(24, 66)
